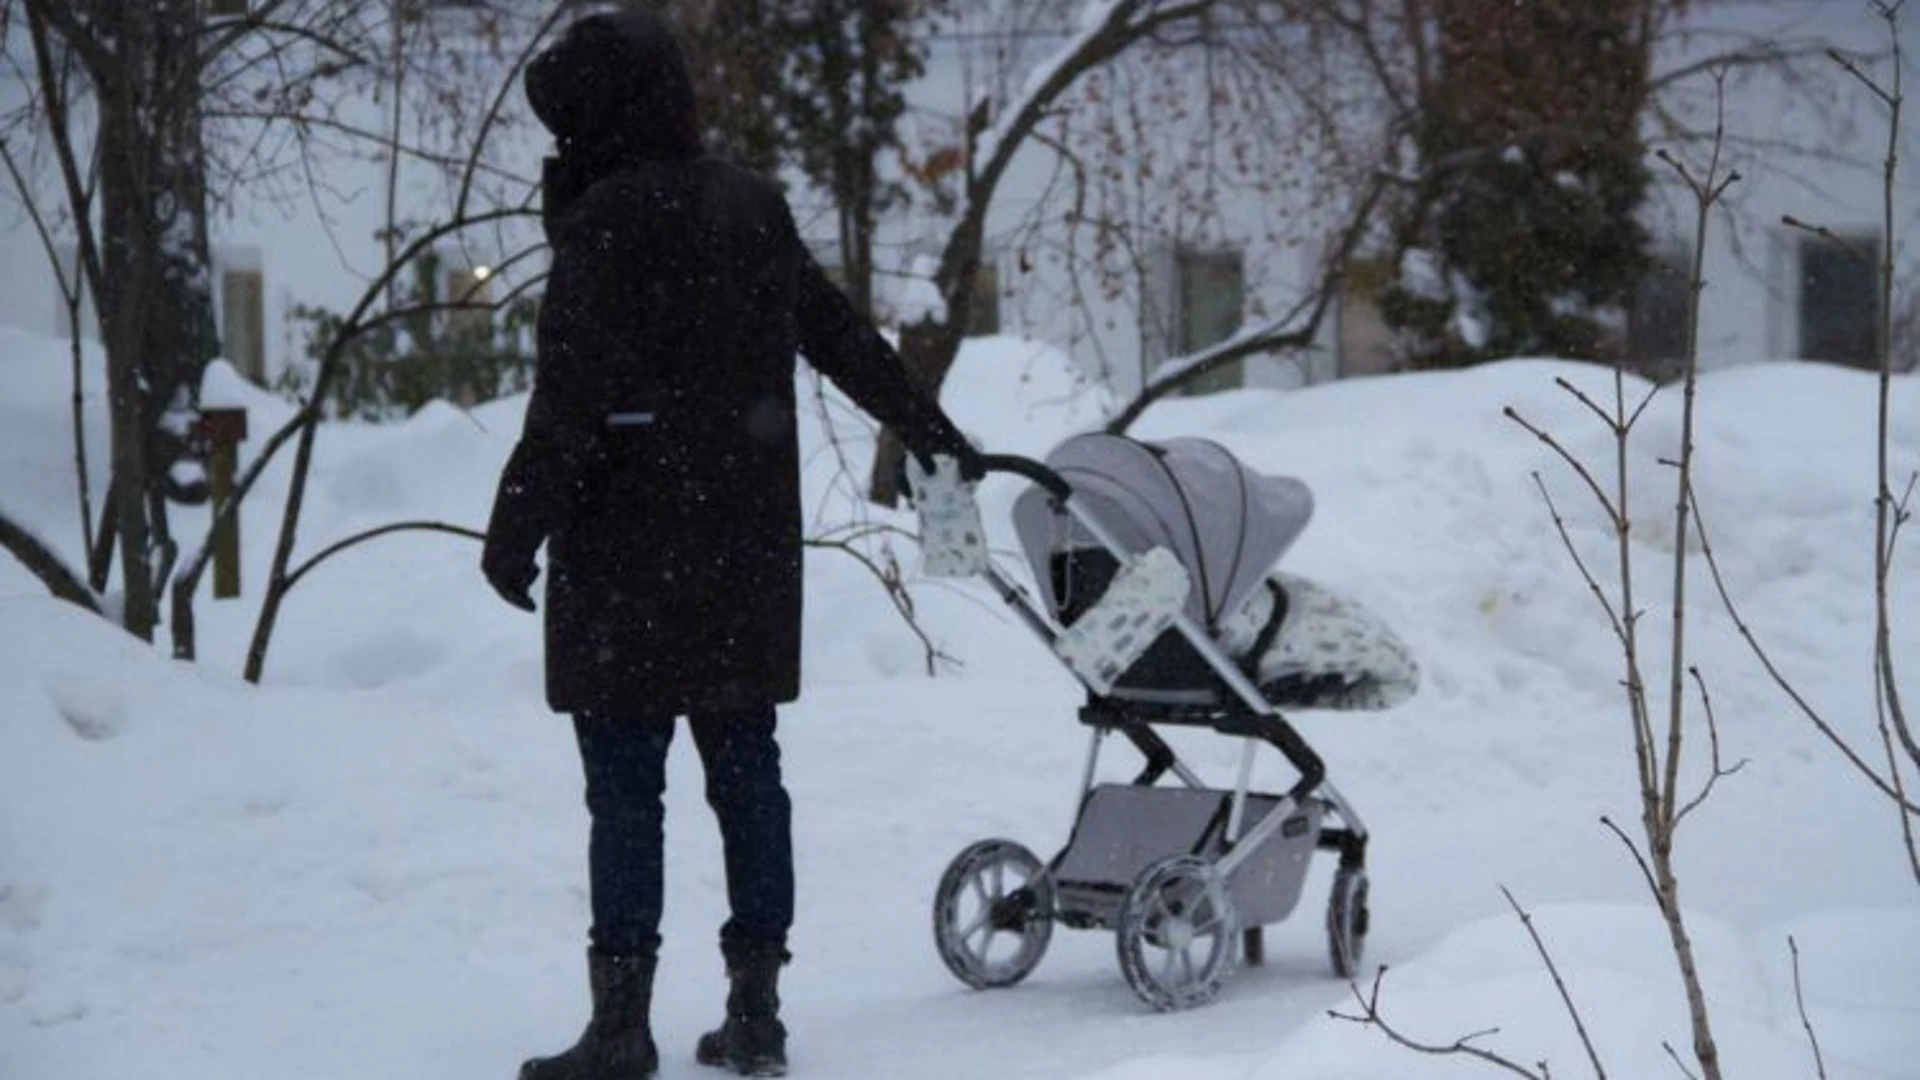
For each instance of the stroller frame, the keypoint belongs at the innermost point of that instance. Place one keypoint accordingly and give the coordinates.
(1158, 865)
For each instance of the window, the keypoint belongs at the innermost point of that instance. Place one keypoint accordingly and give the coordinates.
(1210, 294)
(983, 316)
(243, 322)
(1840, 300)
(1657, 320)
(474, 288)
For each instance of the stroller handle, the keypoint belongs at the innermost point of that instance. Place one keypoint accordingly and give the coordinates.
(1029, 469)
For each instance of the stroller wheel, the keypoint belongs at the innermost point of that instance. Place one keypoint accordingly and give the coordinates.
(1347, 918)
(1178, 933)
(993, 914)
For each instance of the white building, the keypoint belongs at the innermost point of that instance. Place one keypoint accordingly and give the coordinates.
(1184, 271)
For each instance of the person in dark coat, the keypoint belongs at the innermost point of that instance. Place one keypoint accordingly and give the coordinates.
(659, 467)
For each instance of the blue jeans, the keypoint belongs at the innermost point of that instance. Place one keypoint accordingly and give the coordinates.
(624, 756)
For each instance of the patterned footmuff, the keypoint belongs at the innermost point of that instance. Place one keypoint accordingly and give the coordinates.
(1330, 652)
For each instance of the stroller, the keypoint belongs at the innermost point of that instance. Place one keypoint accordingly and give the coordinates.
(1154, 563)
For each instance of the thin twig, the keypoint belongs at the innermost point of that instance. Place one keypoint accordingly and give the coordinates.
(335, 548)
(1800, 1001)
(1826, 234)
(889, 579)
(507, 84)
(1675, 1055)
(1780, 680)
(1713, 738)
(1463, 1045)
(1646, 872)
(1854, 70)
(1579, 467)
(1652, 392)
(1903, 513)
(1612, 423)
(1593, 583)
(1560, 984)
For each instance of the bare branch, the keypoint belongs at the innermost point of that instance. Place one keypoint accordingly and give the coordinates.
(1903, 513)
(1566, 997)
(59, 17)
(1371, 1017)
(1865, 80)
(233, 30)
(1780, 680)
(1713, 736)
(507, 84)
(1612, 423)
(79, 194)
(1800, 1002)
(43, 563)
(1593, 583)
(231, 33)
(329, 123)
(889, 578)
(1289, 332)
(1652, 392)
(1827, 234)
(1578, 466)
(1766, 54)
(1646, 871)
(300, 571)
(1681, 1065)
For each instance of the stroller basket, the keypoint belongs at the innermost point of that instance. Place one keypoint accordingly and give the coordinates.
(1125, 828)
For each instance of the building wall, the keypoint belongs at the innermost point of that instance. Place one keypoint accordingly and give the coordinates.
(317, 247)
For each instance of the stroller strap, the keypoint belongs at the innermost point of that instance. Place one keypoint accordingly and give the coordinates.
(1250, 661)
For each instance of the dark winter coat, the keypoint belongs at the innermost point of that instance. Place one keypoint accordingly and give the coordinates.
(658, 461)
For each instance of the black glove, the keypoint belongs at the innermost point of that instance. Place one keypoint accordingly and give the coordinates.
(511, 576)
(973, 467)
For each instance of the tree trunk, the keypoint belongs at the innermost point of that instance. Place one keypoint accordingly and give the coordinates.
(127, 257)
(157, 305)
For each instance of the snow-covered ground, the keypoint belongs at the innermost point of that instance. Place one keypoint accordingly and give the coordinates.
(372, 866)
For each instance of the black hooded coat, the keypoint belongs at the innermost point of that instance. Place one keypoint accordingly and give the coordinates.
(658, 461)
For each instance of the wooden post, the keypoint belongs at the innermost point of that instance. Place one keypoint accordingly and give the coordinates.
(222, 432)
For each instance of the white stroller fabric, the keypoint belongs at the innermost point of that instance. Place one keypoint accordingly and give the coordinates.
(952, 541)
(1141, 604)
(1330, 653)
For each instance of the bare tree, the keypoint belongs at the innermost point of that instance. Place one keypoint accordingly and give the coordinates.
(993, 134)
(1657, 754)
(377, 307)
(1893, 498)
(145, 114)
(145, 260)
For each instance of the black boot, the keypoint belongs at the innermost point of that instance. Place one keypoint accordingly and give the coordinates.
(752, 1041)
(618, 1041)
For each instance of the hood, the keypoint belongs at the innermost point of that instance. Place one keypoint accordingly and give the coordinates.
(615, 89)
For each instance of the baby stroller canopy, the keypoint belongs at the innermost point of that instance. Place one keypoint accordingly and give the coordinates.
(1227, 524)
